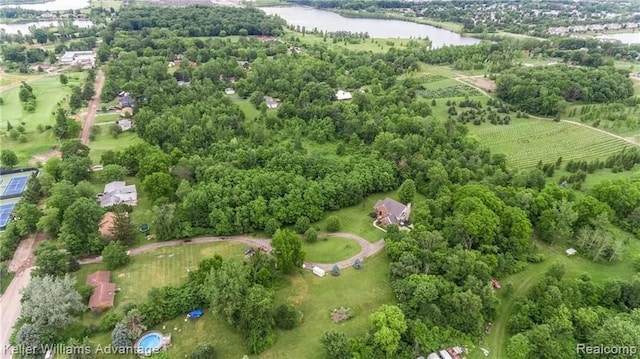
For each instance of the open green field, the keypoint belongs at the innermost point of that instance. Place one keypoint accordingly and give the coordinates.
(106, 4)
(49, 92)
(164, 266)
(373, 45)
(356, 219)
(12, 78)
(330, 249)
(575, 266)
(527, 141)
(362, 290)
(250, 111)
(105, 141)
(106, 117)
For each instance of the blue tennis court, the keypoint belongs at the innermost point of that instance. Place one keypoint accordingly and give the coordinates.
(5, 212)
(16, 186)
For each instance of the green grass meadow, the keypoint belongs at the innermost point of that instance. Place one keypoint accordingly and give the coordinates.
(362, 290)
(330, 249)
(105, 141)
(49, 92)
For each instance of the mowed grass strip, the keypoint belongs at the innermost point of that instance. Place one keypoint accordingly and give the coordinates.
(525, 142)
(330, 249)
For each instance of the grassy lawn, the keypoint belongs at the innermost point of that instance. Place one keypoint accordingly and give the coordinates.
(13, 78)
(250, 111)
(106, 117)
(373, 45)
(362, 290)
(356, 219)
(527, 141)
(49, 92)
(105, 141)
(5, 281)
(164, 266)
(330, 249)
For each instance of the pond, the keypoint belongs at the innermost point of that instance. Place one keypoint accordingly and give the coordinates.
(624, 37)
(324, 20)
(55, 5)
(24, 28)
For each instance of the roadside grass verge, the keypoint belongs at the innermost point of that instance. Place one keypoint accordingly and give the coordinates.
(5, 281)
(330, 249)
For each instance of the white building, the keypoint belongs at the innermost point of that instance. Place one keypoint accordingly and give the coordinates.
(229, 91)
(318, 271)
(343, 95)
(118, 192)
(82, 57)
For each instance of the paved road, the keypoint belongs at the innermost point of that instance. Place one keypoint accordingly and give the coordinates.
(367, 249)
(92, 109)
(10, 309)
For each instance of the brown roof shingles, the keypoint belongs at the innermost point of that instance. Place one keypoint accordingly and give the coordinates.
(103, 291)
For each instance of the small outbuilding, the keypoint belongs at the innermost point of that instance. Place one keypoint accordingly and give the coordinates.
(318, 271)
(571, 251)
(229, 91)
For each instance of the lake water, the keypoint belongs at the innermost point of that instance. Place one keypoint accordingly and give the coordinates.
(55, 5)
(329, 21)
(624, 37)
(24, 28)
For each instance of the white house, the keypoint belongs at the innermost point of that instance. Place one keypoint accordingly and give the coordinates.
(118, 192)
(125, 125)
(571, 251)
(271, 102)
(318, 271)
(78, 57)
(229, 91)
(343, 95)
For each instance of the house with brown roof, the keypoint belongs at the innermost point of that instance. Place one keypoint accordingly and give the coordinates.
(103, 290)
(106, 224)
(389, 211)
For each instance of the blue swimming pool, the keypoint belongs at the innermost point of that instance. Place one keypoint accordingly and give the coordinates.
(149, 343)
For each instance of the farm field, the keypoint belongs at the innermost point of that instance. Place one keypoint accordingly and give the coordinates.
(49, 92)
(330, 249)
(525, 142)
(362, 290)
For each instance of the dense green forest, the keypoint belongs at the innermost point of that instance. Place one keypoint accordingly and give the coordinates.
(217, 164)
(541, 90)
(199, 21)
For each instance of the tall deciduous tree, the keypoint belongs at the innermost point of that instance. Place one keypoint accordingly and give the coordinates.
(256, 319)
(407, 191)
(80, 225)
(115, 256)
(336, 345)
(287, 248)
(228, 288)
(50, 302)
(51, 261)
(388, 325)
(8, 158)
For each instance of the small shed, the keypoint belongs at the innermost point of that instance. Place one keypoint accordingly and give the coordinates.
(318, 271)
(571, 251)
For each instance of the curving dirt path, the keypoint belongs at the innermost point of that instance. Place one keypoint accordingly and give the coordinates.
(92, 109)
(367, 249)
